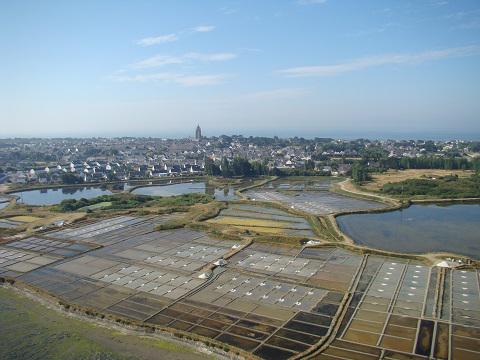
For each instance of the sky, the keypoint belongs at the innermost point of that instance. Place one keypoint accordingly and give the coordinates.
(307, 68)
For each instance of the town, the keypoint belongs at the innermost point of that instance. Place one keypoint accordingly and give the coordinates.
(95, 160)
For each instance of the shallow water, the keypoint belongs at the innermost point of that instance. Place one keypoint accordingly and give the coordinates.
(201, 187)
(418, 229)
(57, 195)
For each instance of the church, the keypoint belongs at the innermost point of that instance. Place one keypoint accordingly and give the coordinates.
(198, 133)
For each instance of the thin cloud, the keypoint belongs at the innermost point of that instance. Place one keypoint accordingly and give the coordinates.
(210, 57)
(157, 61)
(175, 78)
(460, 15)
(465, 19)
(149, 41)
(379, 60)
(277, 94)
(155, 40)
(162, 60)
(200, 80)
(204, 28)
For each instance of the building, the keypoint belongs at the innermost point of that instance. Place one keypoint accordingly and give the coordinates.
(198, 133)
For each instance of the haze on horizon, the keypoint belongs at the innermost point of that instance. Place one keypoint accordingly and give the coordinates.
(274, 67)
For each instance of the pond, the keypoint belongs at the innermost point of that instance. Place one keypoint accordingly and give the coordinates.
(201, 187)
(418, 229)
(57, 195)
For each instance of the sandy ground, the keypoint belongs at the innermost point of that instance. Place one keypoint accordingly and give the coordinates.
(349, 187)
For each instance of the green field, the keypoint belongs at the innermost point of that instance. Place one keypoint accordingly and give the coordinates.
(31, 331)
(100, 205)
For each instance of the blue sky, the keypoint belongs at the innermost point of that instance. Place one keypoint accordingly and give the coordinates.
(271, 67)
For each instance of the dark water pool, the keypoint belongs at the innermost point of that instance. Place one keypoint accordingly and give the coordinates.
(57, 195)
(418, 229)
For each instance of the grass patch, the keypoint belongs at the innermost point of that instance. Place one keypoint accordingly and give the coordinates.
(182, 200)
(195, 214)
(395, 176)
(324, 228)
(100, 205)
(126, 201)
(262, 229)
(230, 220)
(31, 331)
(24, 218)
(279, 240)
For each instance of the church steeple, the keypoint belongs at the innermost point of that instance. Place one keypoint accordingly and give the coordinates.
(198, 133)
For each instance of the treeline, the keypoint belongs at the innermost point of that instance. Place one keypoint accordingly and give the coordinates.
(474, 146)
(238, 167)
(361, 169)
(430, 162)
(69, 178)
(296, 172)
(241, 167)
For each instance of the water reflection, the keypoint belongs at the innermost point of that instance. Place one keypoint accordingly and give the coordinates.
(226, 192)
(419, 229)
(57, 195)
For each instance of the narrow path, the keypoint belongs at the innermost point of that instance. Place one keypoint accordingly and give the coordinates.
(348, 187)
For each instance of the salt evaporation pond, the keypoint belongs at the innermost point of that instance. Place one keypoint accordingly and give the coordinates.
(418, 229)
(201, 187)
(57, 195)
(312, 196)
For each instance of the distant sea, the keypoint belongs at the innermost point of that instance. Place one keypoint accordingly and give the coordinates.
(346, 135)
(341, 135)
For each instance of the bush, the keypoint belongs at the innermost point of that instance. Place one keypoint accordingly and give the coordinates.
(445, 187)
(130, 201)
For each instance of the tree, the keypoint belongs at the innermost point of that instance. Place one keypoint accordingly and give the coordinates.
(225, 168)
(360, 172)
(211, 168)
(259, 168)
(69, 178)
(374, 153)
(241, 167)
(309, 165)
